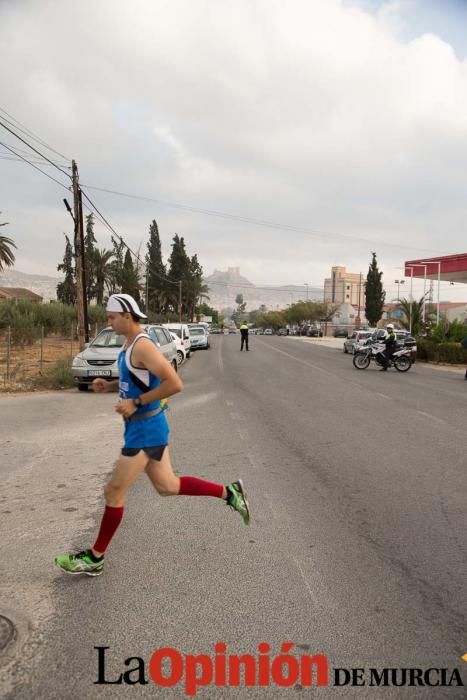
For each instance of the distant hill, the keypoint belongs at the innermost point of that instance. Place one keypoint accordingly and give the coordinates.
(225, 285)
(40, 284)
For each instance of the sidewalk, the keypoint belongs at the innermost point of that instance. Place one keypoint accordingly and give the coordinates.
(327, 342)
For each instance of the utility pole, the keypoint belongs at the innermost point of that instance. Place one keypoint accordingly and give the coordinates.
(180, 301)
(80, 290)
(83, 267)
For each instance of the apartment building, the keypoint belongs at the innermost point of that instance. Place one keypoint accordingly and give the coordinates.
(345, 287)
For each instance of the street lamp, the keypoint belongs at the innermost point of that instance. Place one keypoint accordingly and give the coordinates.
(435, 262)
(398, 282)
(424, 285)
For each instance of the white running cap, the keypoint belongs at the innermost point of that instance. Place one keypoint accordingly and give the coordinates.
(124, 303)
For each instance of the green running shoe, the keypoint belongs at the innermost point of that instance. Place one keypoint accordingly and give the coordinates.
(237, 499)
(80, 563)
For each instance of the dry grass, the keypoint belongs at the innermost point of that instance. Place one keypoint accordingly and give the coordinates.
(28, 364)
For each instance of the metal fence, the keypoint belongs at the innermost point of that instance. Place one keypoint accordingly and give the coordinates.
(29, 351)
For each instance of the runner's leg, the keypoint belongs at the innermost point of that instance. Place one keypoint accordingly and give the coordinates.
(125, 473)
(167, 483)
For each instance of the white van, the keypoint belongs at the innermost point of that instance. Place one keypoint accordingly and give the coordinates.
(181, 329)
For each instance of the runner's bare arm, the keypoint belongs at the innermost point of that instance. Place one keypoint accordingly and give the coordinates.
(147, 356)
(101, 386)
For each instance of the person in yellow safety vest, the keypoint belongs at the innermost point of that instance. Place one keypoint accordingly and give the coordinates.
(390, 342)
(244, 334)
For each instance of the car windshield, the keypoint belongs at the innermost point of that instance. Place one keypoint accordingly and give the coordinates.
(177, 331)
(196, 331)
(108, 339)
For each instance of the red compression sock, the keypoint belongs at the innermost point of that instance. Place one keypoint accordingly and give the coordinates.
(110, 521)
(192, 486)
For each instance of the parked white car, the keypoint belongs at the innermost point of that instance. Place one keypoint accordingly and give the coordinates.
(180, 347)
(181, 329)
(199, 338)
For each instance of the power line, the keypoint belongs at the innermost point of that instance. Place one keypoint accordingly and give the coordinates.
(33, 148)
(35, 166)
(30, 133)
(257, 222)
(37, 161)
(27, 153)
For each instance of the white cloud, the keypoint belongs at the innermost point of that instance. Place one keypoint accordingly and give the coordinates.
(318, 115)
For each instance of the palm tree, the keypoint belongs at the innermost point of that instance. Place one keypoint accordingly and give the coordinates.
(7, 257)
(413, 314)
(103, 272)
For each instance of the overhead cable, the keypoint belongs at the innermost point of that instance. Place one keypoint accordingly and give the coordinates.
(33, 148)
(30, 133)
(35, 167)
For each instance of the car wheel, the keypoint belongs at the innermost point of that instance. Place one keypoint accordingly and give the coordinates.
(179, 357)
(175, 365)
(83, 387)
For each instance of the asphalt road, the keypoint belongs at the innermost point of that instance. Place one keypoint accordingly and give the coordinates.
(357, 547)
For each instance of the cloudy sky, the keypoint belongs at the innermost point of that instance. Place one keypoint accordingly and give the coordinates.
(341, 122)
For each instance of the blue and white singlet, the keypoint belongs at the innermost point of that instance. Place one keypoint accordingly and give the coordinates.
(147, 432)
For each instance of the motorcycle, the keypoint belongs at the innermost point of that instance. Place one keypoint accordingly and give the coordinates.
(373, 352)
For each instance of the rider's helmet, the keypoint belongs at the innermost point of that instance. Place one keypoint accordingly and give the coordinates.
(390, 327)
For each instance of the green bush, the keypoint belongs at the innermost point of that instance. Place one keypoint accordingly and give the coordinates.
(57, 377)
(455, 332)
(432, 351)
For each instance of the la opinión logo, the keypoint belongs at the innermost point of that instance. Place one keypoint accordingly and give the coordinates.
(168, 668)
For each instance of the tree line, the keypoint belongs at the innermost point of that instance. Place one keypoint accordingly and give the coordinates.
(153, 283)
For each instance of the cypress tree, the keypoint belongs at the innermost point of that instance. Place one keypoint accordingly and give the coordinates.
(90, 257)
(66, 290)
(179, 269)
(116, 280)
(156, 273)
(374, 293)
(129, 278)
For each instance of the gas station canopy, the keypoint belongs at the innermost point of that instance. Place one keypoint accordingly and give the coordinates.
(448, 268)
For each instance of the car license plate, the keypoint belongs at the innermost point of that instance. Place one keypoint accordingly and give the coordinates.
(99, 373)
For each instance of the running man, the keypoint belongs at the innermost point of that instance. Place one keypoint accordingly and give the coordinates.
(145, 379)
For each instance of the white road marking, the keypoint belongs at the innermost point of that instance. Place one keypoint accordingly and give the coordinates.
(298, 359)
(383, 396)
(428, 415)
(220, 361)
(310, 364)
(305, 581)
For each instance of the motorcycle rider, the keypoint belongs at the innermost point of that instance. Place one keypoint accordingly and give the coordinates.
(391, 344)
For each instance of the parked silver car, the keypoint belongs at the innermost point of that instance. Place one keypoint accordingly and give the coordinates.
(199, 338)
(356, 338)
(99, 359)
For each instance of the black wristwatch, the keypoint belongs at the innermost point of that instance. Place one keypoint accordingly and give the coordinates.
(137, 401)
